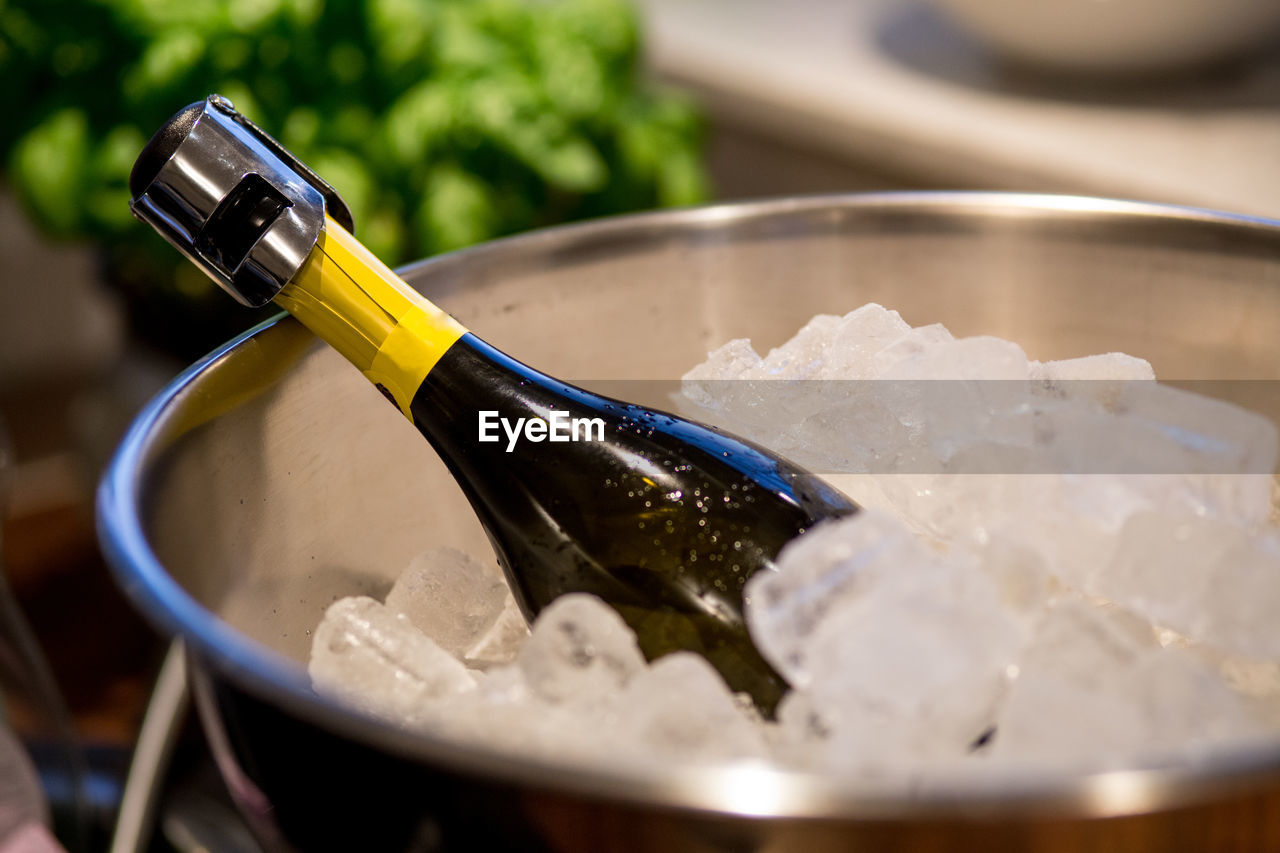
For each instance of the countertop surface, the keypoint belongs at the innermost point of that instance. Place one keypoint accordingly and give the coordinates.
(891, 82)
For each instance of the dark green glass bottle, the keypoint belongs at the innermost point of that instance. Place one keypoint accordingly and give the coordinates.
(663, 518)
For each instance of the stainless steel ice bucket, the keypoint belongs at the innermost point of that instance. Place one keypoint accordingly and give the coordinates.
(271, 479)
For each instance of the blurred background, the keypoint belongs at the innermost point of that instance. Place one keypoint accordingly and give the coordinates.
(444, 123)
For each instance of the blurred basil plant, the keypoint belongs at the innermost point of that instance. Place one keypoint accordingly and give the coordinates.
(441, 122)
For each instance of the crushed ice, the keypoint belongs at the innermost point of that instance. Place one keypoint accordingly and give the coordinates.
(1071, 571)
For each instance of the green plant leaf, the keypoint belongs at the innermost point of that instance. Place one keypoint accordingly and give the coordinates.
(49, 167)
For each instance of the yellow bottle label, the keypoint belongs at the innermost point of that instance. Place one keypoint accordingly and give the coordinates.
(364, 310)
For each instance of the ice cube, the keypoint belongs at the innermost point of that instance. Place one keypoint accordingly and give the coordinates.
(856, 339)
(733, 360)
(1168, 449)
(1049, 721)
(704, 384)
(918, 341)
(964, 509)
(1207, 579)
(981, 357)
(377, 660)
(1257, 682)
(1097, 380)
(1095, 691)
(1240, 602)
(505, 715)
(803, 356)
(862, 742)
(679, 709)
(580, 650)
(1112, 365)
(735, 391)
(1189, 707)
(865, 619)
(971, 391)
(835, 421)
(1020, 575)
(1156, 429)
(933, 654)
(1047, 516)
(800, 738)
(1258, 679)
(852, 428)
(502, 641)
(1062, 704)
(450, 596)
(1163, 566)
(817, 572)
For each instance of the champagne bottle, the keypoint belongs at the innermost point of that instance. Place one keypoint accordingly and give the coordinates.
(663, 518)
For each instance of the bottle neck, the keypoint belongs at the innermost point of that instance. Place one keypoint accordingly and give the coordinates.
(354, 302)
